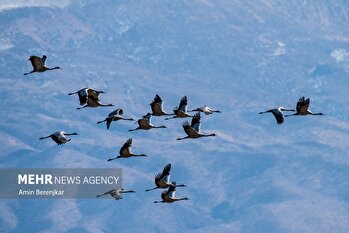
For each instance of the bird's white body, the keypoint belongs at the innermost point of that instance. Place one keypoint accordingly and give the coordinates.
(206, 110)
(116, 193)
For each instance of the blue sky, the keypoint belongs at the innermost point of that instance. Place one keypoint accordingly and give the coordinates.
(236, 56)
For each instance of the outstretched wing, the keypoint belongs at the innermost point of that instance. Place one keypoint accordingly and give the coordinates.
(172, 190)
(279, 116)
(157, 99)
(183, 105)
(126, 148)
(43, 59)
(156, 105)
(196, 122)
(36, 62)
(190, 131)
(165, 175)
(92, 94)
(116, 112)
(147, 118)
(302, 104)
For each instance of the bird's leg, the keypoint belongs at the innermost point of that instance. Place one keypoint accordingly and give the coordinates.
(151, 189)
(82, 107)
(140, 155)
(99, 195)
(129, 191)
(102, 121)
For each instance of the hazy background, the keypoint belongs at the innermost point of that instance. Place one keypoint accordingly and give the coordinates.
(240, 57)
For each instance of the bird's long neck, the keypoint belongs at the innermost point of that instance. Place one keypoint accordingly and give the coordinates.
(54, 68)
(73, 93)
(99, 195)
(208, 135)
(264, 112)
(113, 159)
(68, 134)
(180, 185)
(139, 155)
(157, 127)
(82, 107)
(129, 191)
(182, 138)
(45, 137)
(128, 119)
(133, 129)
(105, 105)
(317, 114)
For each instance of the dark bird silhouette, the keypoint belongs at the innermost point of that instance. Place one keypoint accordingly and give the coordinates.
(168, 196)
(157, 107)
(38, 64)
(162, 180)
(193, 129)
(126, 152)
(94, 103)
(87, 93)
(145, 123)
(59, 137)
(115, 116)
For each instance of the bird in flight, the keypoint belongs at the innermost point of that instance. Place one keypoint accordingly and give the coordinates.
(205, 109)
(38, 64)
(278, 113)
(115, 116)
(157, 107)
(126, 152)
(145, 123)
(182, 110)
(193, 129)
(162, 180)
(116, 193)
(59, 137)
(168, 196)
(302, 108)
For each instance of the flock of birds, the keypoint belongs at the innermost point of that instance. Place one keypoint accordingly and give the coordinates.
(89, 97)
